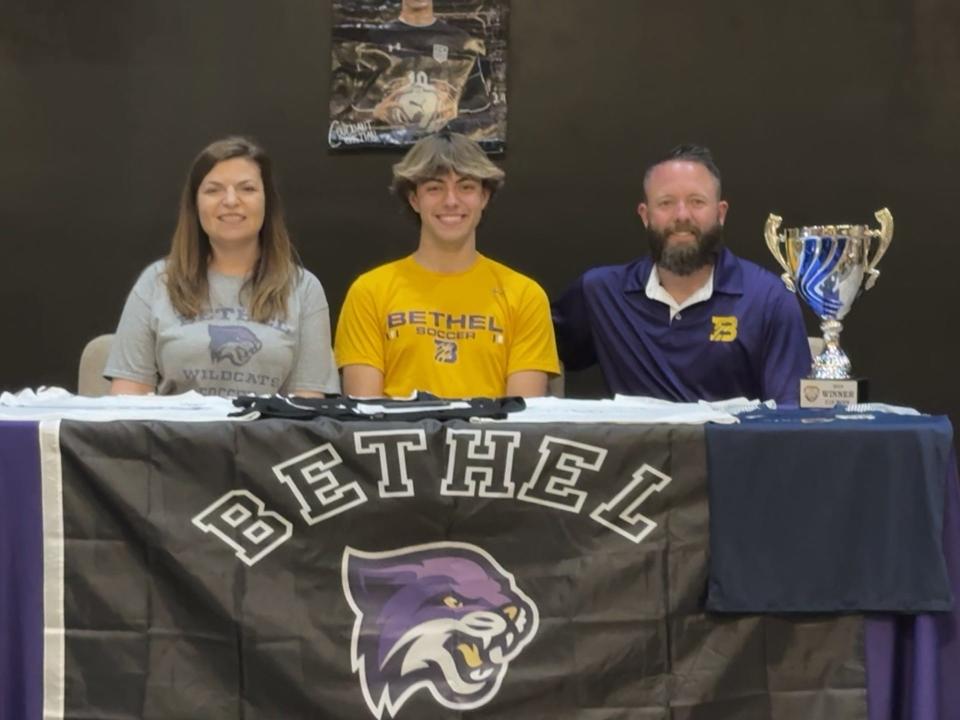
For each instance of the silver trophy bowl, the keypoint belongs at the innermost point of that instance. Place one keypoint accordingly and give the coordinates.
(829, 266)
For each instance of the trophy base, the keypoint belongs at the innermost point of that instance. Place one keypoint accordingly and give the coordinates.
(816, 393)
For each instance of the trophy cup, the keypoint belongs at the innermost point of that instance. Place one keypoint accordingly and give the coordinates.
(829, 266)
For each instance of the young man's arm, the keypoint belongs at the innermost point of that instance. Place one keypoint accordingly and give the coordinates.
(359, 343)
(527, 383)
(533, 353)
(362, 381)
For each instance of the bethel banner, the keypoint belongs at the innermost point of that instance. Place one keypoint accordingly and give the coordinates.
(432, 570)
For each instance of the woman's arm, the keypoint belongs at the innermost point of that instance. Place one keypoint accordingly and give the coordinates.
(132, 363)
(119, 386)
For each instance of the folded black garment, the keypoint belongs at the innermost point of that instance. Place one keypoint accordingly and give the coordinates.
(829, 512)
(423, 406)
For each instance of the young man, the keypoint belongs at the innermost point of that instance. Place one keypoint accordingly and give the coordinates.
(446, 319)
(691, 320)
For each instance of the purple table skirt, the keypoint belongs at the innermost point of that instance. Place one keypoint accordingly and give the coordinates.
(21, 574)
(913, 661)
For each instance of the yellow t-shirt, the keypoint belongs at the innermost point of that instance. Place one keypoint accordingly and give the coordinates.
(451, 334)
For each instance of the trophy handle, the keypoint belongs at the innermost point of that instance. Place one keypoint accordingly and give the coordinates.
(885, 233)
(773, 244)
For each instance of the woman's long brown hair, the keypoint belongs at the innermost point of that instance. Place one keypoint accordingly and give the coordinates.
(277, 268)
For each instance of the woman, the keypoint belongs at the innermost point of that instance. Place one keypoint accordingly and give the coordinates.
(230, 310)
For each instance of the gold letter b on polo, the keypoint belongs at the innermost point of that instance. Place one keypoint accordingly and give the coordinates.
(724, 328)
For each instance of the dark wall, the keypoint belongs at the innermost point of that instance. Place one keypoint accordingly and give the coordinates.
(822, 111)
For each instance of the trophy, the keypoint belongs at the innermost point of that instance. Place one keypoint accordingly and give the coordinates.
(829, 266)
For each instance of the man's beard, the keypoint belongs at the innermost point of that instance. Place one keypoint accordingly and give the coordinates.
(688, 257)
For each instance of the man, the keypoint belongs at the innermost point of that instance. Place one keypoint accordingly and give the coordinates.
(416, 74)
(446, 319)
(691, 320)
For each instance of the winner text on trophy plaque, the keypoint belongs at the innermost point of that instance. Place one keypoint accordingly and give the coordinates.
(829, 266)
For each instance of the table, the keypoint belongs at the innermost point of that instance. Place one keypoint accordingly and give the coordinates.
(247, 570)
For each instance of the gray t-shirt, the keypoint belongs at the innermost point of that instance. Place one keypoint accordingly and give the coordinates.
(223, 351)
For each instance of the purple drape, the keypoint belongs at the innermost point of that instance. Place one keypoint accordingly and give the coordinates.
(913, 661)
(21, 573)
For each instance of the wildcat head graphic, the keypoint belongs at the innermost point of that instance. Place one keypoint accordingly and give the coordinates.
(444, 617)
(234, 343)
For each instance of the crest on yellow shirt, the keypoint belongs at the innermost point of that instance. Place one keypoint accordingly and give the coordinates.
(724, 328)
(445, 351)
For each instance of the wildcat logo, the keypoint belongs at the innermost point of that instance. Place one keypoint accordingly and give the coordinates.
(443, 617)
(234, 343)
(724, 328)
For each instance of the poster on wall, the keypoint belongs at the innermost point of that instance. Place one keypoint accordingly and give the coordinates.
(403, 69)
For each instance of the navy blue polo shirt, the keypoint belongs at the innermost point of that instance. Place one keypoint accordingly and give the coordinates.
(748, 339)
